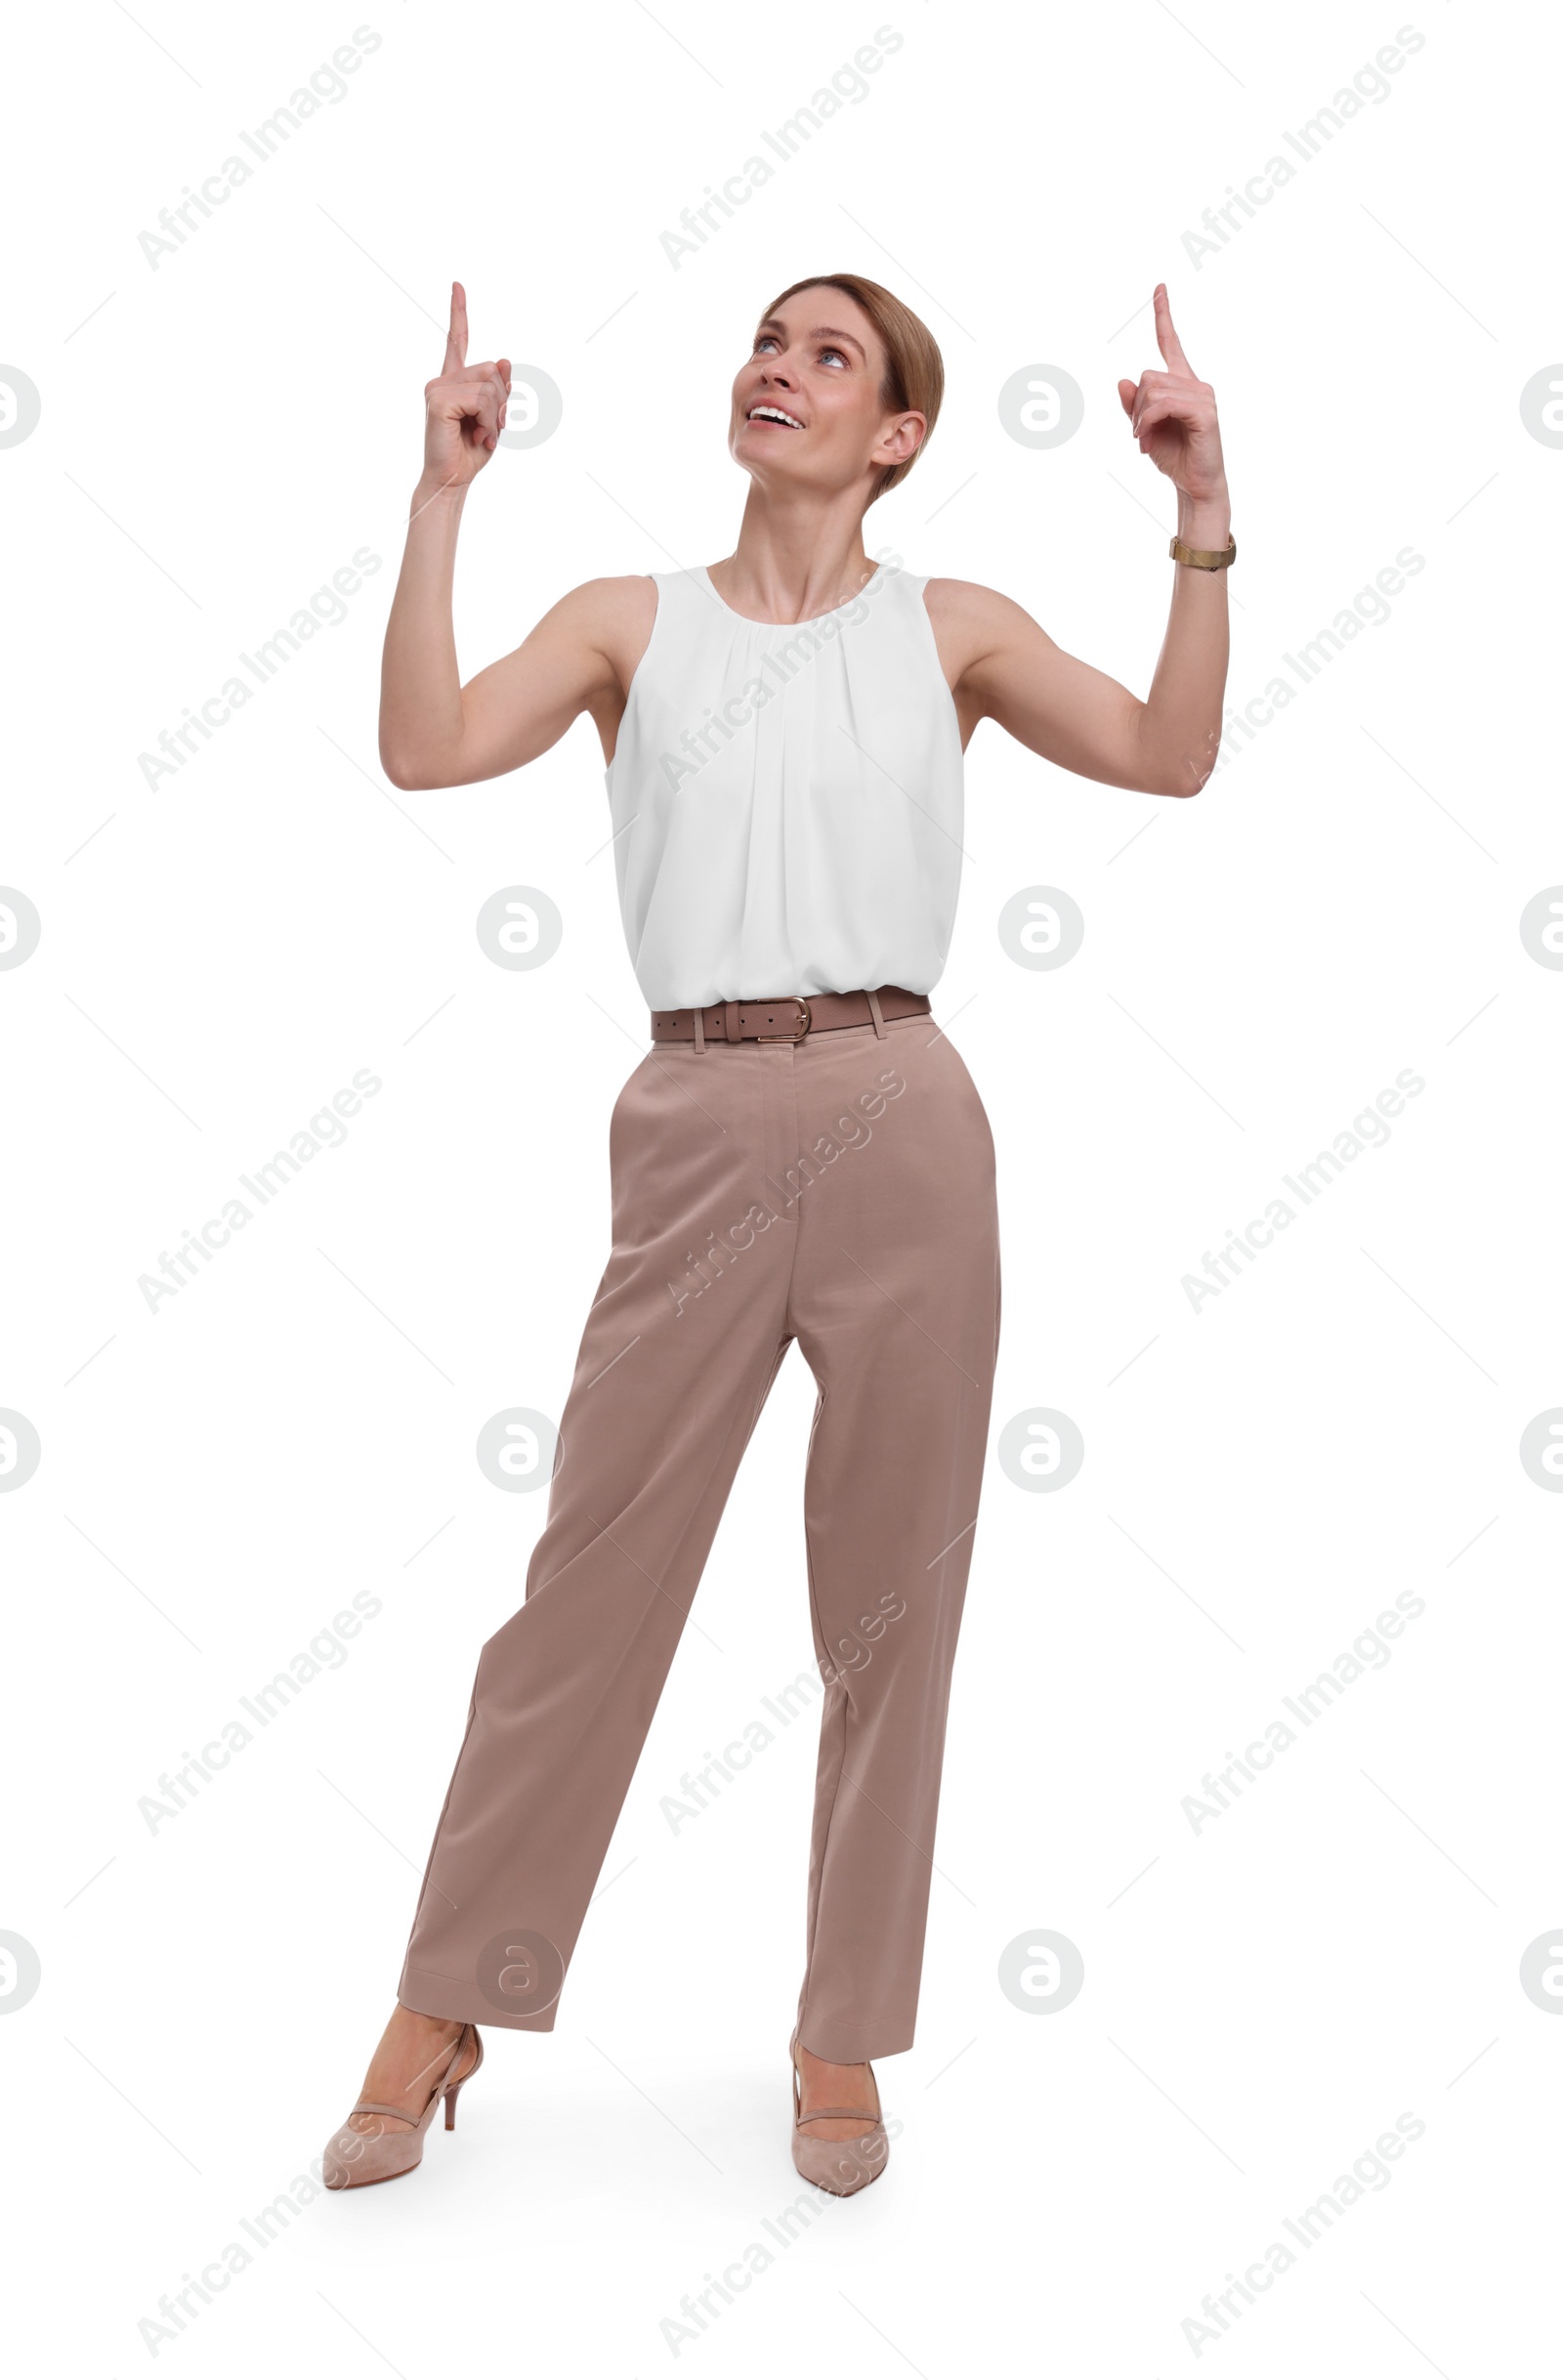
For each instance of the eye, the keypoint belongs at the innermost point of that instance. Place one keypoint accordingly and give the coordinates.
(766, 338)
(833, 350)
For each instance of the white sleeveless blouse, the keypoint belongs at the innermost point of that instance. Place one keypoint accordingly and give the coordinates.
(787, 800)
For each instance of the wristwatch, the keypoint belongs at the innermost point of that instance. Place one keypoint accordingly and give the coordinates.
(1205, 558)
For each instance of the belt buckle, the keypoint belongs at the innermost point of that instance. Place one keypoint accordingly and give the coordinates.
(805, 1020)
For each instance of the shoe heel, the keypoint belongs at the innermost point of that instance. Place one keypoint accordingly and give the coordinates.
(353, 2159)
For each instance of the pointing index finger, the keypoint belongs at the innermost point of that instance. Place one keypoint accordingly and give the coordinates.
(456, 338)
(1166, 338)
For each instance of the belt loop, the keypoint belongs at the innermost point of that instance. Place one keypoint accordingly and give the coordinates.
(732, 1017)
(699, 1032)
(877, 1016)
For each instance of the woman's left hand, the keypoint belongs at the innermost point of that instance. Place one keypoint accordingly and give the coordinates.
(1173, 417)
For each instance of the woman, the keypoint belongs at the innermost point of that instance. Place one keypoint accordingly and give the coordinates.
(800, 1154)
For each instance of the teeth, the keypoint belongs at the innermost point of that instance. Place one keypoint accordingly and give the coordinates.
(773, 413)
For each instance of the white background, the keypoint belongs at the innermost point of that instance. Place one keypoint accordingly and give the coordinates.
(219, 954)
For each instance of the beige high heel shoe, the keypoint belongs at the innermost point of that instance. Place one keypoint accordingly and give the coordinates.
(353, 2158)
(841, 2166)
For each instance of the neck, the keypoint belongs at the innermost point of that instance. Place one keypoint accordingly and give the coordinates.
(795, 559)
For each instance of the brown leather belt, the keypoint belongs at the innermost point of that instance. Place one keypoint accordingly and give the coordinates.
(787, 1019)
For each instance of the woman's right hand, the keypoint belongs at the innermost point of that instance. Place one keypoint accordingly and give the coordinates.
(465, 408)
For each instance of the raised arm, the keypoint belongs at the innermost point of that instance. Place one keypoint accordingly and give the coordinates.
(434, 731)
(1003, 665)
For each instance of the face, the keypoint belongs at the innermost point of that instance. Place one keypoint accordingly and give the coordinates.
(806, 406)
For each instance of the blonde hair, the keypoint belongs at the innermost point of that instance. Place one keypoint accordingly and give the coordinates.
(914, 378)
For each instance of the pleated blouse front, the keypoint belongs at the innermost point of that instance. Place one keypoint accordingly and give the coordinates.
(787, 800)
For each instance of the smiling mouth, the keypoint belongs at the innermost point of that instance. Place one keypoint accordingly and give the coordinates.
(773, 413)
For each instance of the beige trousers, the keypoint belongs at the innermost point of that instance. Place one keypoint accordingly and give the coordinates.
(839, 1192)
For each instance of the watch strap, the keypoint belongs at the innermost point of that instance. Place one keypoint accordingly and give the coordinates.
(1205, 558)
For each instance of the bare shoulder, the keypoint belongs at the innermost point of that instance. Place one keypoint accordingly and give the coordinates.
(606, 610)
(970, 622)
(964, 605)
(608, 618)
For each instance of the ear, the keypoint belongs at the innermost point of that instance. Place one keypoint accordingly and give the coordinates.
(899, 443)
